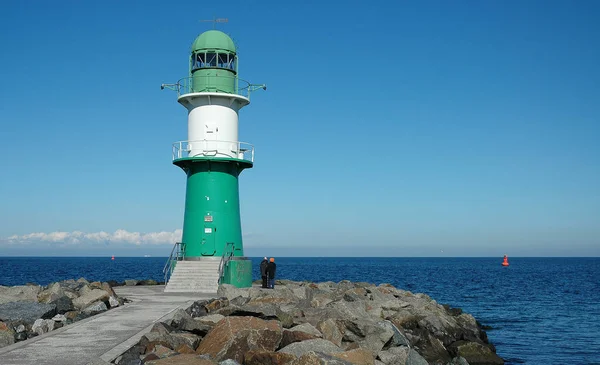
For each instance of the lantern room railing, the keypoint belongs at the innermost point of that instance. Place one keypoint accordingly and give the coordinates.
(211, 148)
(214, 83)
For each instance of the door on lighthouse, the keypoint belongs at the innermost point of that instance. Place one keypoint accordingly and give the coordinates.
(208, 240)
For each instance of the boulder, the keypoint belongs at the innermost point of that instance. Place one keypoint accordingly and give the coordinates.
(415, 359)
(113, 302)
(63, 304)
(306, 328)
(331, 331)
(318, 345)
(368, 334)
(229, 291)
(181, 320)
(95, 308)
(131, 282)
(90, 297)
(51, 294)
(262, 357)
(26, 311)
(21, 293)
(232, 337)
(296, 336)
(185, 349)
(107, 288)
(394, 355)
(42, 326)
(7, 335)
(356, 357)
(150, 340)
(59, 318)
(318, 358)
(475, 353)
(185, 338)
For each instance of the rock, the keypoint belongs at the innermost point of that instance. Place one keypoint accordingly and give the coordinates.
(90, 297)
(394, 355)
(181, 320)
(355, 294)
(185, 349)
(306, 328)
(7, 335)
(26, 311)
(63, 304)
(113, 302)
(210, 319)
(232, 337)
(183, 359)
(150, 340)
(356, 357)
(42, 326)
(296, 336)
(131, 282)
(398, 339)
(149, 282)
(318, 358)
(351, 310)
(107, 288)
(331, 331)
(369, 335)
(215, 305)
(20, 328)
(458, 361)
(475, 353)
(82, 281)
(318, 345)
(229, 362)
(163, 351)
(21, 293)
(95, 308)
(53, 292)
(184, 338)
(415, 359)
(262, 357)
(96, 285)
(197, 309)
(229, 291)
(59, 318)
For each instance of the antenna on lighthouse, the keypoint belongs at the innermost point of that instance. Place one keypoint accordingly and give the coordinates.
(215, 21)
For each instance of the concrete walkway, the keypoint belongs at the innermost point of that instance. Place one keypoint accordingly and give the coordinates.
(101, 338)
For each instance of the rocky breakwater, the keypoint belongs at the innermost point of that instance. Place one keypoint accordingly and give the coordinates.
(30, 310)
(301, 323)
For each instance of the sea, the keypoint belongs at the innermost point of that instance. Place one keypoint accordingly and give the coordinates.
(540, 310)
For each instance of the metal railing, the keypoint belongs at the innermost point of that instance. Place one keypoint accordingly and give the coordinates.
(210, 148)
(227, 255)
(177, 254)
(214, 83)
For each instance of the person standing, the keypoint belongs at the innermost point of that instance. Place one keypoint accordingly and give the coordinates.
(263, 272)
(271, 268)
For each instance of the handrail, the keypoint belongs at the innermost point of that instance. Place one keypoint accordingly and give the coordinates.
(227, 255)
(177, 254)
(213, 148)
(213, 84)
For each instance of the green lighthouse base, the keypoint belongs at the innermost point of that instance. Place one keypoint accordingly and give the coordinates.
(238, 272)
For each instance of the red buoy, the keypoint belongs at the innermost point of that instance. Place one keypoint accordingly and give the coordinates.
(505, 262)
(113, 257)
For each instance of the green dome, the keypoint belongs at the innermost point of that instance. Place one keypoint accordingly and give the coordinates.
(213, 39)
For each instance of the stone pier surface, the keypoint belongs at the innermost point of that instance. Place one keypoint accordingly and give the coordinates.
(100, 339)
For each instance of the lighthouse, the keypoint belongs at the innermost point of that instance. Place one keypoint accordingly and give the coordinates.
(212, 157)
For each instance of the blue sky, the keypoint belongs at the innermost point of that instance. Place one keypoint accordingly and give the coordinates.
(424, 128)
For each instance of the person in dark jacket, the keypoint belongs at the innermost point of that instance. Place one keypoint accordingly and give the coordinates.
(271, 268)
(263, 272)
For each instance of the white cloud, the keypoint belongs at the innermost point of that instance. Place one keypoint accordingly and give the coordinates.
(78, 237)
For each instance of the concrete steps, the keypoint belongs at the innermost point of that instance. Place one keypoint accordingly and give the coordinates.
(198, 276)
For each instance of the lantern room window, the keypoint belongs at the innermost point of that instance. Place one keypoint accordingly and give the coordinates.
(213, 60)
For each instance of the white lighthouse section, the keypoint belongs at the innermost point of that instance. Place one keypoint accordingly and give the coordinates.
(213, 124)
